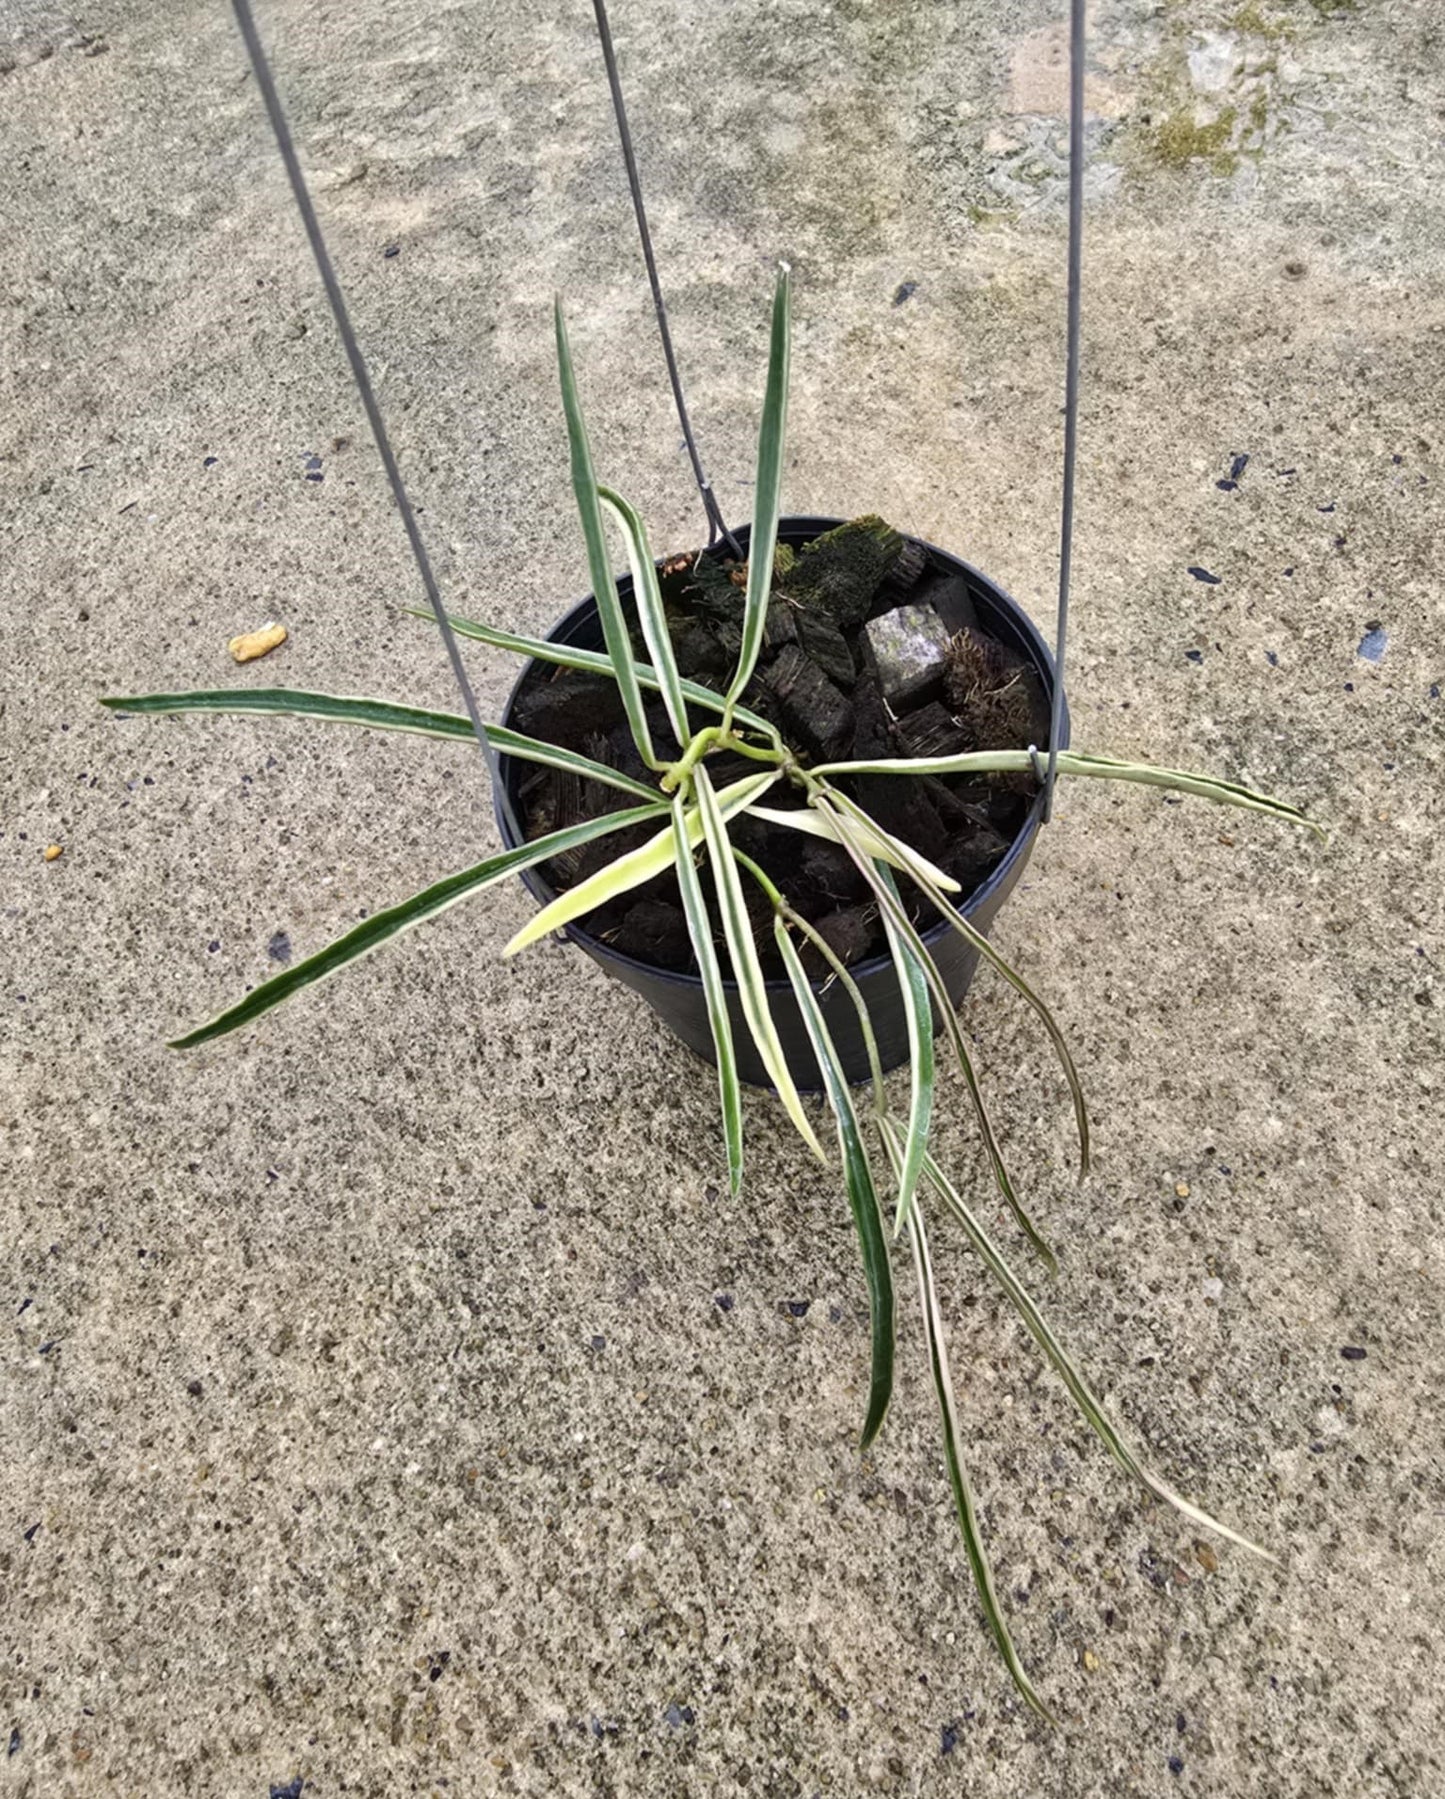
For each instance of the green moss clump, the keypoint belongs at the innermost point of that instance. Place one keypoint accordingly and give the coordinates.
(839, 573)
(1177, 141)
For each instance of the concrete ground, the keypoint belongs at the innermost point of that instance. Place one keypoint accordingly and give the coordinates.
(391, 1404)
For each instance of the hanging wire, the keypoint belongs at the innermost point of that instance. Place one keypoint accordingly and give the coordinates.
(716, 526)
(1071, 382)
(287, 147)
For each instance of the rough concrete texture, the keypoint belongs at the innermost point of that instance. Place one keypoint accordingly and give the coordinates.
(373, 1419)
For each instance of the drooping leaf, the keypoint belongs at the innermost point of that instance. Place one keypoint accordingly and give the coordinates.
(650, 614)
(953, 1455)
(699, 928)
(977, 941)
(747, 970)
(377, 715)
(890, 907)
(1090, 1407)
(1075, 762)
(840, 974)
(880, 844)
(381, 927)
(594, 662)
(767, 493)
(913, 987)
(604, 588)
(631, 870)
(858, 1178)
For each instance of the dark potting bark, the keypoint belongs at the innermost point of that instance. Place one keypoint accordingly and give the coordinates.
(870, 650)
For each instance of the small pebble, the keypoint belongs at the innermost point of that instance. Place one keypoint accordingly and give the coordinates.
(1373, 644)
(1176, 1764)
(1090, 1661)
(1203, 574)
(1353, 1353)
(391, 250)
(53, 852)
(1206, 1558)
(279, 948)
(1182, 1189)
(257, 643)
(1213, 1289)
(906, 291)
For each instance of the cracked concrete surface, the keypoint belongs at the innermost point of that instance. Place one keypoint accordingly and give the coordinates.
(391, 1405)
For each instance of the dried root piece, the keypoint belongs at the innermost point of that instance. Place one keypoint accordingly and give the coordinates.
(989, 694)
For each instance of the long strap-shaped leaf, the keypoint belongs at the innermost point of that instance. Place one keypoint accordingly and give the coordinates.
(631, 870)
(594, 662)
(978, 942)
(648, 595)
(894, 911)
(699, 929)
(850, 987)
(767, 493)
(918, 1014)
(381, 927)
(953, 1454)
(747, 970)
(1091, 1408)
(378, 715)
(604, 588)
(858, 1178)
(881, 846)
(1075, 762)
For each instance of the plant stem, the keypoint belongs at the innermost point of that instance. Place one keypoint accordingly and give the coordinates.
(746, 861)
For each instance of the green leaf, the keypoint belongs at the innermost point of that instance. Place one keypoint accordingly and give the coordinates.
(381, 927)
(953, 1454)
(604, 588)
(651, 616)
(699, 929)
(893, 910)
(850, 987)
(978, 942)
(862, 1196)
(629, 871)
(747, 970)
(881, 846)
(913, 986)
(378, 715)
(1075, 762)
(565, 655)
(767, 493)
(1091, 1408)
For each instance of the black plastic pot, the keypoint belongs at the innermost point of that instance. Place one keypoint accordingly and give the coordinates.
(678, 998)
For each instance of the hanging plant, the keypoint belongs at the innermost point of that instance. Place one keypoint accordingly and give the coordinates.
(764, 804)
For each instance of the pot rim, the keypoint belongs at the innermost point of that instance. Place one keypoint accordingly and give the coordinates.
(814, 526)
